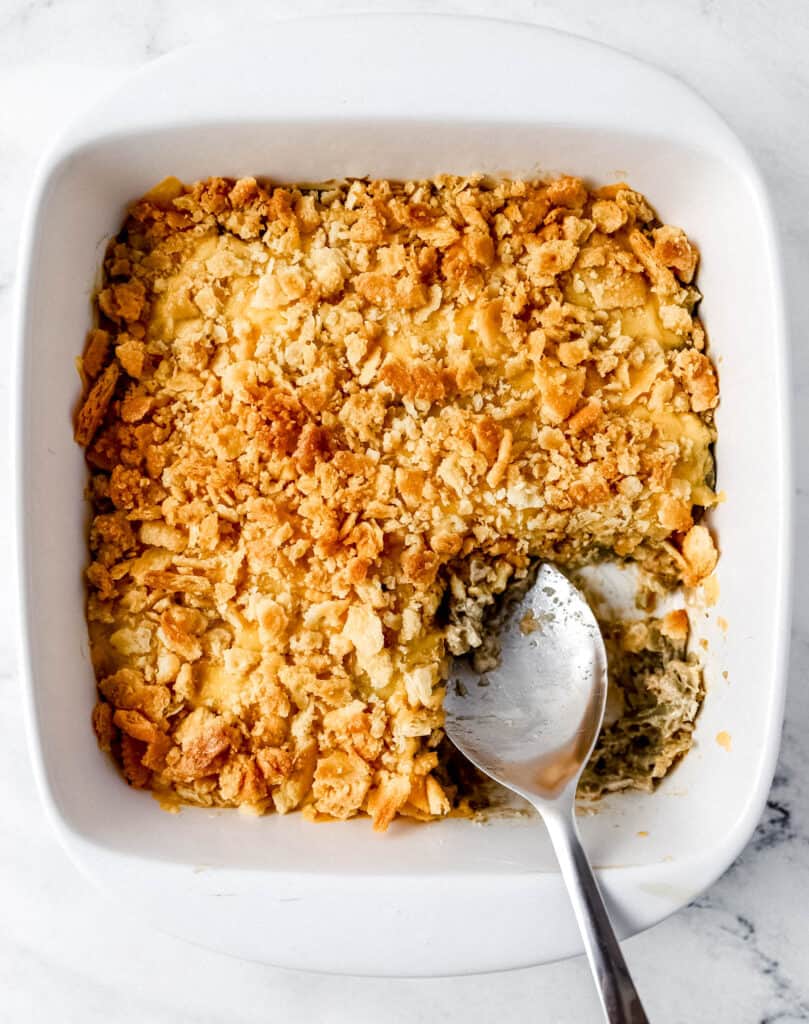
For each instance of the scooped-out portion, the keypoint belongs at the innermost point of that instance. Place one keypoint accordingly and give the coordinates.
(327, 425)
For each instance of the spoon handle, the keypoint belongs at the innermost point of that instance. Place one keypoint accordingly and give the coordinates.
(617, 991)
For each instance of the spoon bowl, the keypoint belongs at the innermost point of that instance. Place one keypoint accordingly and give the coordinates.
(530, 721)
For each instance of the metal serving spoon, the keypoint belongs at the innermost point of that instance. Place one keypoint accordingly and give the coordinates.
(530, 724)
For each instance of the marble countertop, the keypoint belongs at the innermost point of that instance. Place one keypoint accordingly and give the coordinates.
(740, 953)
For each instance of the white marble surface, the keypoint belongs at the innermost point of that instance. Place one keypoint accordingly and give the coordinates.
(738, 954)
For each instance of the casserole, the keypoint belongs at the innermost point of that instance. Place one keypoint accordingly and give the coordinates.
(423, 900)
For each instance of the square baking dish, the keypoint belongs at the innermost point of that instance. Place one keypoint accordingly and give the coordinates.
(405, 96)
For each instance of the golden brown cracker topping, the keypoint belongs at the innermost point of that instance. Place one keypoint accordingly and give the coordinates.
(306, 407)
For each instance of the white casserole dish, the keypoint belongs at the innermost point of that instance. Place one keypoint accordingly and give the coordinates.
(403, 96)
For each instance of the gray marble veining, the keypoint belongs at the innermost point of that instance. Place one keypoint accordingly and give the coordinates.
(738, 954)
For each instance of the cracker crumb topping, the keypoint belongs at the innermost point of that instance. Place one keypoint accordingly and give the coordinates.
(308, 408)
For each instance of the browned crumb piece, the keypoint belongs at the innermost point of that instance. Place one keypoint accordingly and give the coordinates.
(697, 556)
(95, 352)
(204, 740)
(103, 725)
(673, 250)
(314, 414)
(132, 751)
(95, 405)
(123, 302)
(131, 354)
